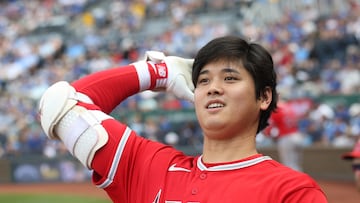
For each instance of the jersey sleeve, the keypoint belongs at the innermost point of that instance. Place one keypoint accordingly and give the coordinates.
(109, 88)
(129, 165)
(310, 195)
(300, 187)
(127, 162)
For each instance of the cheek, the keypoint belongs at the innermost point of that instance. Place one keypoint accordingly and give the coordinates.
(200, 94)
(198, 100)
(244, 96)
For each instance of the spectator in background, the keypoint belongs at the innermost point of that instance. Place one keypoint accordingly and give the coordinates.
(311, 128)
(354, 112)
(354, 157)
(285, 131)
(3, 140)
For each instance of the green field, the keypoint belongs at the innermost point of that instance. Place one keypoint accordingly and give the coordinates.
(37, 198)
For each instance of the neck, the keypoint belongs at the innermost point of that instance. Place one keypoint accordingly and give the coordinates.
(217, 151)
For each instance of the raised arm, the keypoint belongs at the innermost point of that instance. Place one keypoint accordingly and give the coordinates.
(74, 112)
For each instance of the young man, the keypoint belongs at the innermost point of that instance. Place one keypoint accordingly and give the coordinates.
(354, 157)
(234, 96)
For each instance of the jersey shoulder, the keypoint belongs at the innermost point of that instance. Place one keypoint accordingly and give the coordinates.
(284, 175)
(290, 184)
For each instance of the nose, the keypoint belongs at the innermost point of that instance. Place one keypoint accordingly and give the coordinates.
(215, 88)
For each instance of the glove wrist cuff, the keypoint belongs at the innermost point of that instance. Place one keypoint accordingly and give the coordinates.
(159, 75)
(151, 75)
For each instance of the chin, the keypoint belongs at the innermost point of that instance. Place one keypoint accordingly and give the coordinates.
(214, 125)
(215, 131)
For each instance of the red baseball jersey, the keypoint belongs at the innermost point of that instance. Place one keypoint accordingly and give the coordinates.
(284, 120)
(132, 169)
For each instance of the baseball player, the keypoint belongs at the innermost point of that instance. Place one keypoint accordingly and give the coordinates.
(284, 130)
(232, 84)
(354, 157)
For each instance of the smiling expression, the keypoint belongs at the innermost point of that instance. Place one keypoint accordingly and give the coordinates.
(225, 101)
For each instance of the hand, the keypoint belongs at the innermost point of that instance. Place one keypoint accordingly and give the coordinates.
(179, 74)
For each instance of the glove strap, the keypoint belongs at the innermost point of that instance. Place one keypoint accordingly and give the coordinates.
(153, 77)
(159, 74)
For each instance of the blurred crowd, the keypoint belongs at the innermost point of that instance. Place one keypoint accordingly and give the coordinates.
(315, 47)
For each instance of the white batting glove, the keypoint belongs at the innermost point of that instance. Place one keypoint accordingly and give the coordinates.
(179, 72)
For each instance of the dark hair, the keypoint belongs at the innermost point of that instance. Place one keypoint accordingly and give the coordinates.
(255, 59)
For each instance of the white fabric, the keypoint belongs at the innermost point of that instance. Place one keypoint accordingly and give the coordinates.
(79, 129)
(179, 69)
(82, 133)
(54, 104)
(143, 75)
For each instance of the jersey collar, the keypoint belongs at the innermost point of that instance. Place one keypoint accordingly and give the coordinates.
(232, 166)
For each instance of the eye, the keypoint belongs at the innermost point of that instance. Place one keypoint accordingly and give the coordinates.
(203, 80)
(229, 78)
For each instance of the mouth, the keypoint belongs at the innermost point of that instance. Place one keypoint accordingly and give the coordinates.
(215, 105)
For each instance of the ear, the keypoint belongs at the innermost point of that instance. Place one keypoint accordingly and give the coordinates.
(265, 98)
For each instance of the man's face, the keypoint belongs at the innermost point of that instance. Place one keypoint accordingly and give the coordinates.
(356, 168)
(225, 101)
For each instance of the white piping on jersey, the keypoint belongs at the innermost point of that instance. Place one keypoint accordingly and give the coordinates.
(233, 166)
(117, 156)
(157, 198)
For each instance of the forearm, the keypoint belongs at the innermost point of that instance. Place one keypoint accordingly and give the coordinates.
(76, 113)
(109, 88)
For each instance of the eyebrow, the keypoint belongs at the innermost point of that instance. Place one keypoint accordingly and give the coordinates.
(224, 70)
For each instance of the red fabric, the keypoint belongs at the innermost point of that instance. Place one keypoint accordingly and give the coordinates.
(143, 173)
(108, 88)
(355, 153)
(132, 169)
(158, 72)
(284, 119)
